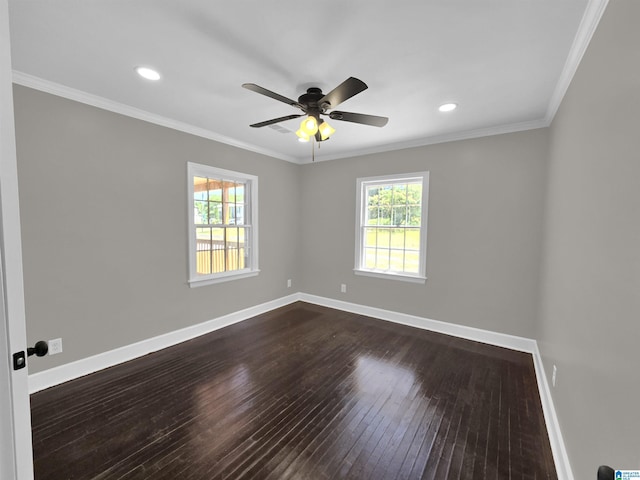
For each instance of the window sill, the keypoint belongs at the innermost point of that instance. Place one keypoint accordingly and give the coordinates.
(391, 276)
(223, 277)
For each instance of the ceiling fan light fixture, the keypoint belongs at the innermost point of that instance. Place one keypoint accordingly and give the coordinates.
(148, 73)
(302, 136)
(325, 130)
(309, 125)
(448, 107)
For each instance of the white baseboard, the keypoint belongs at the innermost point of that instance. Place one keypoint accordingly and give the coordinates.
(70, 371)
(512, 342)
(560, 456)
(54, 376)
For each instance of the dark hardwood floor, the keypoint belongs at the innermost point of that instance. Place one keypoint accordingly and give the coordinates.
(302, 392)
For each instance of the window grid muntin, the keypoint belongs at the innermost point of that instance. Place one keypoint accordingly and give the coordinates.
(412, 252)
(221, 193)
(235, 232)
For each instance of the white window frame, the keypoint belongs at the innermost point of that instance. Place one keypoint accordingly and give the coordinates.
(361, 215)
(199, 170)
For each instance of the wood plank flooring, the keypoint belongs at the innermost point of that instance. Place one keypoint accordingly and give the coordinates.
(302, 392)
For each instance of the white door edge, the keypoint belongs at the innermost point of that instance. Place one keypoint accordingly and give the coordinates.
(16, 457)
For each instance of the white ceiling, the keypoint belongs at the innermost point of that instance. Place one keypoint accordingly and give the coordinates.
(506, 63)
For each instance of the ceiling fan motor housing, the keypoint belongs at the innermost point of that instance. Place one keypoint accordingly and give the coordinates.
(309, 101)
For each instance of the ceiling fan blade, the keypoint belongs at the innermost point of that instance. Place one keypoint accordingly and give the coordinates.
(372, 120)
(274, 120)
(347, 89)
(258, 89)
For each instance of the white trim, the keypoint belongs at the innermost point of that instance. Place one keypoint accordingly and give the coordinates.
(361, 214)
(63, 91)
(49, 378)
(16, 450)
(389, 275)
(251, 199)
(461, 331)
(70, 371)
(31, 81)
(223, 277)
(522, 344)
(590, 20)
(436, 139)
(560, 456)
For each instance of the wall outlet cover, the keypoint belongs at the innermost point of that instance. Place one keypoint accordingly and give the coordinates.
(55, 346)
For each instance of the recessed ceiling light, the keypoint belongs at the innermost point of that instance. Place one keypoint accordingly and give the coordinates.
(448, 107)
(148, 73)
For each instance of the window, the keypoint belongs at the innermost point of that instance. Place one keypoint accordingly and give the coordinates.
(223, 221)
(391, 236)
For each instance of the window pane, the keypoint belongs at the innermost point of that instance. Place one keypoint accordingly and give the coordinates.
(230, 192)
(384, 235)
(370, 237)
(382, 259)
(399, 194)
(384, 215)
(231, 220)
(215, 190)
(370, 258)
(396, 261)
(414, 216)
(372, 196)
(412, 239)
(414, 194)
(242, 243)
(217, 250)
(372, 216)
(222, 201)
(412, 262)
(232, 248)
(240, 198)
(215, 213)
(397, 238)
(239, 214)
(391, 236)
(200, 213)
(199, 188)
(203, 251)
(399, 215)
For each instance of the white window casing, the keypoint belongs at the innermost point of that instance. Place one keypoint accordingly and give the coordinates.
(223, 234)
(391, 237)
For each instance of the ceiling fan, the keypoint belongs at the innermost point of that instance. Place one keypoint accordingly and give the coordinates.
(314, 103)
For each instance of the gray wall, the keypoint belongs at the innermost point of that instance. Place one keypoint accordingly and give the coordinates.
(589, 324)
(486, 200)
(103, 210)
(103, 203)
(532, 234)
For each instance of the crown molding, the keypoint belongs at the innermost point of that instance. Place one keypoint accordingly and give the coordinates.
(590, 20)
(448, 137)
(37, 83)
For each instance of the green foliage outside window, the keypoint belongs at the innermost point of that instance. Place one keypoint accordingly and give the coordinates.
(394, 205)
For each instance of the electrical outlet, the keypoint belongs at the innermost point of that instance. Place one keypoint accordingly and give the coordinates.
(55, 346)
(553, 376)
(343, 288)
(289, 283)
